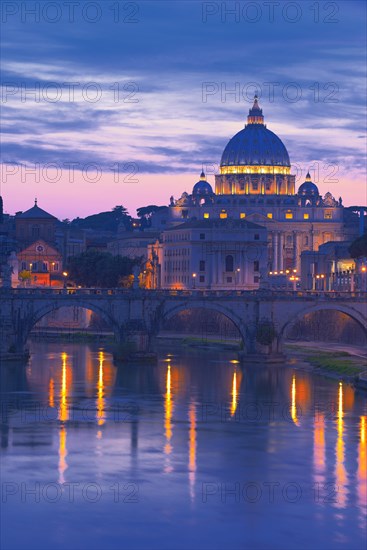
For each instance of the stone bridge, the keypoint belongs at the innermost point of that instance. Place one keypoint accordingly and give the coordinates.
(145, 311)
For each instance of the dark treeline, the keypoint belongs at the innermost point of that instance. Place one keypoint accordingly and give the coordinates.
(328, 326)
(96, 268)
(202, 323)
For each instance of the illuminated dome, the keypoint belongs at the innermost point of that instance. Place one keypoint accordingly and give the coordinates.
(202, 187)
(308, 188)
(255, 146)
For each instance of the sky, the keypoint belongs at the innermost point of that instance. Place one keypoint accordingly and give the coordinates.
(108, 103)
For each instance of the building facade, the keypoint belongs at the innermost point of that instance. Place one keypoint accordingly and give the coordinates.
(35, 224)
(209, 254)
(331, 268)
(40, 264)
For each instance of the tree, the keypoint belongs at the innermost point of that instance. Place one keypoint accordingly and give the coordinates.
(358, 248)
(105, 221)
(24, 275)
(95, 268)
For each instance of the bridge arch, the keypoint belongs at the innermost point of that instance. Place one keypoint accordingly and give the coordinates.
(351, 312)
(243, 329)
(44, 309)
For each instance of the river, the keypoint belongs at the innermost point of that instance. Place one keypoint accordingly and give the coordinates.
(193, 452)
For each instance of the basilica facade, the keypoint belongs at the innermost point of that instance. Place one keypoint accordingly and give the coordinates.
(255, 184)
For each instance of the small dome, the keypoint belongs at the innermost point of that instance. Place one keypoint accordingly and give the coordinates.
(308, 188)
(202, 187)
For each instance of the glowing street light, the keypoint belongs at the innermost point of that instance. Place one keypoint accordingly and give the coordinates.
(65, 274)
(193, 279)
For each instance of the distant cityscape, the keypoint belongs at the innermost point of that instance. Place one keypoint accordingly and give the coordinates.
(256, 230)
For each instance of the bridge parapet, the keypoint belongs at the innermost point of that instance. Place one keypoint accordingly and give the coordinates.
(255, 295)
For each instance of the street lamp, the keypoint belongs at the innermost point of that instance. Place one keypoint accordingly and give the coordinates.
(193, 279)
(65, 274)
(363, 285)
(237, 274)
(294, 282)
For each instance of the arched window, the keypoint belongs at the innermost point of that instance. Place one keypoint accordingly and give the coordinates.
(229, 263)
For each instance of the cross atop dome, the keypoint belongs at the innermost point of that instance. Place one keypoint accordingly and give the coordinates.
(255, 115)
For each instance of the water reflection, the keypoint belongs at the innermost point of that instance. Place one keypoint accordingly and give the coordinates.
(51, 393)
(234, 394)
(168, 408)
(192, 418)
(192, 448)
(100, 394)
(319, 447)
(362, 472)
(65, 385)
(62, 453)
(293, 401)
(63, 415)
(340, 471)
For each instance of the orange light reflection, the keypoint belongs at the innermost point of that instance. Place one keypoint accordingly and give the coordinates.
(192, 449)
(340, 471)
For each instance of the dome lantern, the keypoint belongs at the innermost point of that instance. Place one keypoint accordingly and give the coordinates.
(255, 114)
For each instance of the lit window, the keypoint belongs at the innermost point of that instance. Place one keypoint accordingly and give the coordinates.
(328, 215)
(270, 215)
(206, 215)
(306, 216)
(223, 214)
(289, 215)
(242, 215)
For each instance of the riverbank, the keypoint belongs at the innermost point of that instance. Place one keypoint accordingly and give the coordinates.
(203, 342)
(335, 363)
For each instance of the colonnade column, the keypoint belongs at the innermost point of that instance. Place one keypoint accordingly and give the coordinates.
(275, 252)
(218, 268)
(281, 251)
(296, 258)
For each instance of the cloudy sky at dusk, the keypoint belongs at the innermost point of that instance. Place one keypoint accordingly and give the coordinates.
(137, 98)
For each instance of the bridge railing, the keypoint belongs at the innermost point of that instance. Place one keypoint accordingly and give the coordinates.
(196, 293)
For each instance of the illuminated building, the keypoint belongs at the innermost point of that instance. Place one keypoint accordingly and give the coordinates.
(255, 184)
(43, 262)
